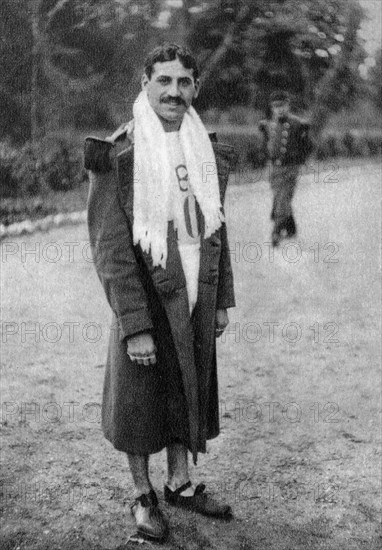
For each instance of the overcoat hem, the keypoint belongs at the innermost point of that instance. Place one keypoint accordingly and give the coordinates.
(133, 450)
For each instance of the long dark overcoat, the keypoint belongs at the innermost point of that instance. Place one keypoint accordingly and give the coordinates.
(137, 399)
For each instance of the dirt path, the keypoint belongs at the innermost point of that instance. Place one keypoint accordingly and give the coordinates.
(299, 452)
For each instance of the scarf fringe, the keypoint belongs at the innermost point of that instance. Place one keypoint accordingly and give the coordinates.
(152, 177)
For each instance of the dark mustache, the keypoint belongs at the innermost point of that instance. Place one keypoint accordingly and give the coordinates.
(169, 99)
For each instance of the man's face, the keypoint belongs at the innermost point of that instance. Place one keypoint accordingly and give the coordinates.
(280, 108)
(170, 90)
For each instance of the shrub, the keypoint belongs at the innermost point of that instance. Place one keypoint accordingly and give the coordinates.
(63, 165)
(27, 171)
(246, 141)
(52, 164)
(8, 155)
(353, 143)
(374, 143)
(16, 210)
(240, 116)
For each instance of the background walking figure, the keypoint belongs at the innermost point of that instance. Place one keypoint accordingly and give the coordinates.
(287, 145)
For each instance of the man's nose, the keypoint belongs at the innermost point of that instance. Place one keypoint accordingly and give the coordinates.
(173, 89)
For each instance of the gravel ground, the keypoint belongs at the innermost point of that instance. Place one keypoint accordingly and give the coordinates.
(299, 452)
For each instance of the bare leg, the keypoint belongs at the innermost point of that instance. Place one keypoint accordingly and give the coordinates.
(148, 517)
(139, 468)
(178, 475)
(177, 464)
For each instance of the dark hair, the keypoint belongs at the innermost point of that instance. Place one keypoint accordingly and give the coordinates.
(170, 52)
(279, 95)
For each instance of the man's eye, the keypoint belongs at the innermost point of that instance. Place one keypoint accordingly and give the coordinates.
(185, 83)
(163, 81)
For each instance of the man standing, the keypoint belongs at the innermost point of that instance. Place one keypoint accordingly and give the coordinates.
(160, 249)
(287, 145)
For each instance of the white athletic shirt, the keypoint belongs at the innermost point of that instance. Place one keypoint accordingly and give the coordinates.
(183, 211)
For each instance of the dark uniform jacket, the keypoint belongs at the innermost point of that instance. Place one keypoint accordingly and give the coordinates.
(287, 142)
(147, 298)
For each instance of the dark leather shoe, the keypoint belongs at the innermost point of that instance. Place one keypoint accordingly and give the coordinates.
(149, 519)
(200, 502)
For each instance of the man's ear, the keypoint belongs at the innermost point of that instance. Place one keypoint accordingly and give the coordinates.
(197, 88)
(144, 81)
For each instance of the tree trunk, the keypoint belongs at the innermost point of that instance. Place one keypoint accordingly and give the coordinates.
(217, 56)
(186, 20)
(34, 112)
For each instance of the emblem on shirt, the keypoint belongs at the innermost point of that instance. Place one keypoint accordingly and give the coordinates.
(191, 209)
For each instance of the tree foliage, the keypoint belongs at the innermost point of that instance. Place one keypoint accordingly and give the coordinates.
(15, 73)
(89, 54)
(273, 44)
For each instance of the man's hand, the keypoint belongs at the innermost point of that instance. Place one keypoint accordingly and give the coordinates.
(141, 348)
(221, 322)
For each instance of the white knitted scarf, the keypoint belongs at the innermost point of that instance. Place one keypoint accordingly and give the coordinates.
(152, 177)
